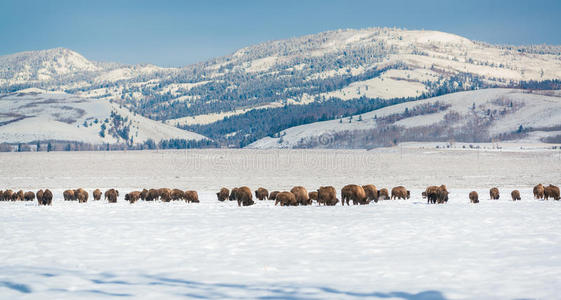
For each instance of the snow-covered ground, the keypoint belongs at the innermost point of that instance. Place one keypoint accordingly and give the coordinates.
(389, 250)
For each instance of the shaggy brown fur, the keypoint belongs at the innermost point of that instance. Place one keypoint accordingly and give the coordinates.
(177, 194)
(286, 199)
(153, 195)
(144, 194)
(97, 195)
(400, 192)
(327, 195)
(132, 197)
(494, 193)
(233, 194)
(165, 194)
(8, 195)
(383, 194)
(18, 196)
(355, 193)
(223, 194)
(111, 195)
(515, 195)
(191, 197)
(313, 196)
(301, 195)
(29, 196)
(244, 196)
(437, 194)
(273, 195)
(371, 192)
(473, 197)
(68, 195)
(539, 191)
(551, 191)
(47, 198)
(261, 193)
(81, 195)
(39, 196)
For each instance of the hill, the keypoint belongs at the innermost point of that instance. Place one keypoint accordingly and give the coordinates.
(471, 116)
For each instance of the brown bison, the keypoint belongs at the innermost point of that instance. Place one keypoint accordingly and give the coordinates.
(143, 194)
(111, 195)
(551, 191)
(355, 193)
(1, 195)
(132, 197)
(437, 194)
(39, 196)
(177, 194)
(81, 195)
(327, 195)
(233, 194)
(261, 193)
(8, 195)
(68, 195)
(273, 195)
(165, 194)
(18, 196)
(301, 195)
(223, 194)
(400, 192)
(494, 193)
(473, 197)
(313, 195)
(286, 199)
(46, 198)
(153, 195)
(29, 196)
(371, 192)
(191, 197)
(383, 194)
(97, 195)
(515, 195)
(244, 196)
(539, 191)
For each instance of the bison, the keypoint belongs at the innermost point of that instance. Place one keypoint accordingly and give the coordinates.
(494, 193)
(177, 194)
(191, 197)
(153, 195)
(68, 195)
(261, 193)
(473, 197)
(233, 194)
(286, 199)
(132, 197)
(301, 195)
(539, 191)
(244, 197)
(165, 194)
(39, 196)
(437, 194)
(327, 195)
(273, 195)
(371, 192)
(223, 194)
(313, 195)
(111, 195)
(383, 194)
(143, 194)
(81, 195)
(29, 196)
(97, 195)
(8, 195)
(47, 198)
(18, 196)
(355, 193)
(400, 192)
(551, 191)
(515, 195)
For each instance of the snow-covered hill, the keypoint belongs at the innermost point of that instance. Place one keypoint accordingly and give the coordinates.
(345, 64)
(36, 115)
(470, 116)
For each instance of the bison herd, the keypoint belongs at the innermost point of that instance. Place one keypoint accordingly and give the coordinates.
(298, 195)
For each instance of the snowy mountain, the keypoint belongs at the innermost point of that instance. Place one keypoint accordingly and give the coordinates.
(36, 115)
(471, 116)
(339, 66)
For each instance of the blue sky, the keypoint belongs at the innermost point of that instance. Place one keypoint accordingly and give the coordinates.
(177, 33)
